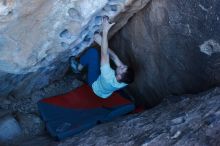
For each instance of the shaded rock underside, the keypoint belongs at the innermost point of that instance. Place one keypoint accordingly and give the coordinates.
(173, 46)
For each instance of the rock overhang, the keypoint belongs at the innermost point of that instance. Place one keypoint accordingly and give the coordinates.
(35, 33)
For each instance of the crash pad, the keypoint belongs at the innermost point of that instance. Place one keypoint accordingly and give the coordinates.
(80, 109)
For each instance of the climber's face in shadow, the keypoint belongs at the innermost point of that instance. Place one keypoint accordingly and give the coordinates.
(120, 71)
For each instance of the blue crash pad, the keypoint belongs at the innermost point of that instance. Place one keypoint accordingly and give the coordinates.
(69, 114)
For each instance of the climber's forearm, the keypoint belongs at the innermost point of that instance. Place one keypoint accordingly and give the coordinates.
(104, 49)
(115, 58)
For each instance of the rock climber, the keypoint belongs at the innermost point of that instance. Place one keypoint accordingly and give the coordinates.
(100, 76)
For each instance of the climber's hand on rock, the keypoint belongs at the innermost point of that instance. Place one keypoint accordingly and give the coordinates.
(106, 25)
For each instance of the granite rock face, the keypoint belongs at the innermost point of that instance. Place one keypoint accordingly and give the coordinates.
(174, 47)
(38, 37)
(180, 121)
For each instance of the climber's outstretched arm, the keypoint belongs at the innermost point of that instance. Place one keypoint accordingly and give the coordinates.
(104, 43)
(113, 56)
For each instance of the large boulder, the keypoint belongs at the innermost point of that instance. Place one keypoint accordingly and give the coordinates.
(38, 37)
(173, 46)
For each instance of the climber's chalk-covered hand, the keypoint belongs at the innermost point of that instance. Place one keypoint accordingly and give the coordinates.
(106, 25)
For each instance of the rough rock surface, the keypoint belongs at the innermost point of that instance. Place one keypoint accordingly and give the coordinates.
(28, 105)
(37, 37)
(174, 47)
(24, 110)
(181, 121)
(31, 124)
(9, 129)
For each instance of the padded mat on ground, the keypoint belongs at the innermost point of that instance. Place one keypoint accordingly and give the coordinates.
(68, 114)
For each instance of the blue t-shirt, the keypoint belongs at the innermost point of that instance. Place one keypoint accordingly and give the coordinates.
(106, 83)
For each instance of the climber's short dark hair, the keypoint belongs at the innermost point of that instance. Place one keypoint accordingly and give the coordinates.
(128, 76)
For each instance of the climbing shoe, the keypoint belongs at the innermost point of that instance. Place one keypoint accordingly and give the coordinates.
(74, 65)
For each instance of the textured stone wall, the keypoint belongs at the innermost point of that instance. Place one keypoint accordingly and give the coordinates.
(173, 45)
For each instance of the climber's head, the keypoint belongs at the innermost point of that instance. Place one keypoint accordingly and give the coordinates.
(124, 74)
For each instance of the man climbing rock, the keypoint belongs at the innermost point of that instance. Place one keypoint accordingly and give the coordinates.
(101, 77)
